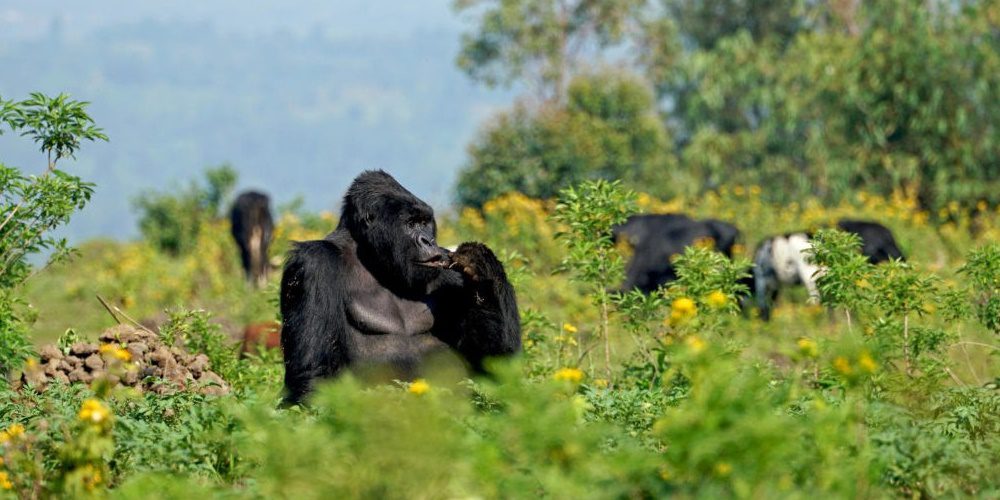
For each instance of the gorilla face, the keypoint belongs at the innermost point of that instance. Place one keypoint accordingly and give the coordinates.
(394, 230)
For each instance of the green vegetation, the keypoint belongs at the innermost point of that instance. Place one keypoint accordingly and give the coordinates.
(171, 222)
(606, 130)
(898, 400)
(32, 206)
(807, 98)
(785, 117)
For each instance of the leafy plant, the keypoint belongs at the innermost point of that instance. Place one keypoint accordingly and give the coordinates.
(31, 206)
(589, 213)
(172, 220)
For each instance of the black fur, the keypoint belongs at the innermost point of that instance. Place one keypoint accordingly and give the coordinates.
(656, 238)
(877, 242)
(252, 228)
(376, 292)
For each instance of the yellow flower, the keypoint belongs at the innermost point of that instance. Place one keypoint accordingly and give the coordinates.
(569, 328)
(866, 362)
(842, 366)
(122, 355)
(574, 375)
(419, 387)
(695, 344)
(684, 305)
(717, 299)
(116, 352)
(681, 310)
(31, 363)
(723, 469)
(5, 481)
(12, 433)
(93, 411)
(808, 348)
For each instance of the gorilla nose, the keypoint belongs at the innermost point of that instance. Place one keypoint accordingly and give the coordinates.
(425, 241)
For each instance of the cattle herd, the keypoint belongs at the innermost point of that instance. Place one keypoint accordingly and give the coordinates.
(778, 261)
(378, 293)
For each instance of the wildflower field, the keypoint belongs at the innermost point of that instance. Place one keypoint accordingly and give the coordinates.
(889, 389)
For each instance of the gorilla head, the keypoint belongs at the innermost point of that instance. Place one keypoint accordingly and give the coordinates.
(400, 249)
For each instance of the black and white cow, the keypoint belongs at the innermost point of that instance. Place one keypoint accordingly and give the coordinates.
(784, 261)
(656, 238)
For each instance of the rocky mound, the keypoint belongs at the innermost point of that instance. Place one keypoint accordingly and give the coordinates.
(149, 365)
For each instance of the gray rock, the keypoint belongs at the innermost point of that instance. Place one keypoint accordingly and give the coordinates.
(61, 378)
(212, 384)
(83, 349)
(199, 364)
(94, 362)
(137, 349)
(80, 375)
(49, 352)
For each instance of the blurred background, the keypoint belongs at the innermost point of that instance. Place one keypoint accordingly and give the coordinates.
(299, 97)
(465, 100)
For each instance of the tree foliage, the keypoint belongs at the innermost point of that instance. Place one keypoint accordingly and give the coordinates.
(805, 98)
(32, 206)
(539, 42)
(171, 220)
(606, 130)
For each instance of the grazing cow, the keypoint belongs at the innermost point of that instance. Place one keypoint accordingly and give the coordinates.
(783, 260)
(877, 242)
(656, 238)
(252, 227)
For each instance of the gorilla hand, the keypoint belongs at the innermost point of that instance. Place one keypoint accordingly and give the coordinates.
(487, 322)
(477, 263)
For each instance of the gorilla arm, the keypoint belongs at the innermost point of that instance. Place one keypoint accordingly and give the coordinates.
(484, 321)
(314, 323)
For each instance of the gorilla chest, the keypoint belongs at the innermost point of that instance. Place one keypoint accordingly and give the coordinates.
(380, 312)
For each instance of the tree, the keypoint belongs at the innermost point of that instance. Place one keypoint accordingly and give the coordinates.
(608, 129)
(32, 206)
(887, 96)
(539, 42)
(171, 220)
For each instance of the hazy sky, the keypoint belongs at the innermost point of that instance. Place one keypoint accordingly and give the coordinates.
(347, 18)
(299, 96)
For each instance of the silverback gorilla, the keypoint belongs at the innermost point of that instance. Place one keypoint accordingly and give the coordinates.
(379, 291)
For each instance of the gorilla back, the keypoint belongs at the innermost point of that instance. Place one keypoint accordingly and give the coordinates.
(379, 291)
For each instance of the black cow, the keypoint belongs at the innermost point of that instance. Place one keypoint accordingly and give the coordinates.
(877, 242)
(656, 238)
(252, 229)
(783, 260)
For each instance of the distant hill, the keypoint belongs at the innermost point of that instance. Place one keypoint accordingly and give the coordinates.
(297, 107)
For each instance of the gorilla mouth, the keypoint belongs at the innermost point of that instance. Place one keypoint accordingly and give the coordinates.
(442, 261)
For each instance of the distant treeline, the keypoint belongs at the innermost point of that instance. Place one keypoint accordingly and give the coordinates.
(803, 98)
